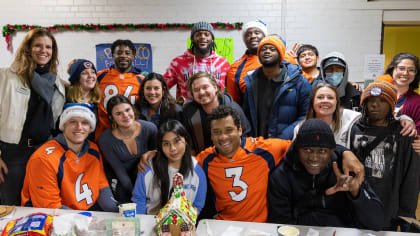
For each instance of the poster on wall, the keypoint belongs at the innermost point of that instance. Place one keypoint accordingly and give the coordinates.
(224, 47)
(373, 67)
(142, 59)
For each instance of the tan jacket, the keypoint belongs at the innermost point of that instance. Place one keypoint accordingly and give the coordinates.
(14, 98)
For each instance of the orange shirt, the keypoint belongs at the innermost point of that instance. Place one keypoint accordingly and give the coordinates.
(309, 77)
(111, 83)
(235, 84)
(55, 176)
(240, 183)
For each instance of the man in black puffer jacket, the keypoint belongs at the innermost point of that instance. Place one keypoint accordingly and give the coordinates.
(308, 188)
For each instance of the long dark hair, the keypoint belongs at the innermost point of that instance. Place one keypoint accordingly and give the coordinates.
(160, 162)
(168, 103)
(397, 59)
(114, 101)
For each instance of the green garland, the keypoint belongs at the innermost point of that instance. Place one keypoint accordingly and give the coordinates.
(9, 30)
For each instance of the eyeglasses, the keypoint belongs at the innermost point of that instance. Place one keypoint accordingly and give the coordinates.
(402, 69)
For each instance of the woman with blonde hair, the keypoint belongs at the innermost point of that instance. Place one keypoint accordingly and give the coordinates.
(324, 104)
(31, 99)
(84, 87)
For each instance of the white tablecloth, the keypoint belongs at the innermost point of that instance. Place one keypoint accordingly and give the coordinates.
(221, 227)
(146, 221)
(217, 227)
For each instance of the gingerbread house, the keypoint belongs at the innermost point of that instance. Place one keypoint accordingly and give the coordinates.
(178, 216)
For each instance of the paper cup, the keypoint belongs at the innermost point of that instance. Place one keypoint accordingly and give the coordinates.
(128, 209)
(287, 231)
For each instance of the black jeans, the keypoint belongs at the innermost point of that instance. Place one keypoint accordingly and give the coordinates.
(15, 156)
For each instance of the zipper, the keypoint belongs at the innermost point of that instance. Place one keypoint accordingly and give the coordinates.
(313, 182)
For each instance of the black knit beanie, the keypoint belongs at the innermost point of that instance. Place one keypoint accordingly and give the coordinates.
(315, 133)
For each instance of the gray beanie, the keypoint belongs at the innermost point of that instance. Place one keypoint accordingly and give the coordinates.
(202, 25)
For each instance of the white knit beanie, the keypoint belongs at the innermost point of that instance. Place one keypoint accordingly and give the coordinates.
(83, 110)
(255, 24)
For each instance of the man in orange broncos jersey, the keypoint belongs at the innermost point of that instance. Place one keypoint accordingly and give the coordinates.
(122, 78)
(67, 172)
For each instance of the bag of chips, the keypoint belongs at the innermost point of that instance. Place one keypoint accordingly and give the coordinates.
(36, 224)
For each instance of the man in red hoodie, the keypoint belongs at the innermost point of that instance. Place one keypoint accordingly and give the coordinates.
(201, 57)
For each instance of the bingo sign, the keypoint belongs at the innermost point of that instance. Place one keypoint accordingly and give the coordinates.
(142, 59)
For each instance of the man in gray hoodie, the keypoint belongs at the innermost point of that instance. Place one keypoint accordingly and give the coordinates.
(334, 70)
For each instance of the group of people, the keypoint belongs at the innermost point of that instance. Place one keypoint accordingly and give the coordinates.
(288, 142)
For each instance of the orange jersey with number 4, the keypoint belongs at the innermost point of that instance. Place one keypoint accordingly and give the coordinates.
(111, 83)
(240, 183)
(55, 176)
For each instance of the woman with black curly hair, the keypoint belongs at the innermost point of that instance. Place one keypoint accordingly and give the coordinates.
(403, 73)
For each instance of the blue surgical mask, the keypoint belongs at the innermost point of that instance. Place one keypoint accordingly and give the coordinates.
(334, 78)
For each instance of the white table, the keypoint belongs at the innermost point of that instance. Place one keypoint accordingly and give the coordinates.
(218, 227)
(147, 222)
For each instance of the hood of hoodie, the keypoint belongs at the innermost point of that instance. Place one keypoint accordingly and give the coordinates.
(342, 86)
(226, 99)
(212, 63)
(293, 71)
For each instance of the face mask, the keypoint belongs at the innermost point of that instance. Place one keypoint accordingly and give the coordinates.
(334, 78)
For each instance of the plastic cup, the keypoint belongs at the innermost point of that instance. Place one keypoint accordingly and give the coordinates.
(287, 231)
(128, 209)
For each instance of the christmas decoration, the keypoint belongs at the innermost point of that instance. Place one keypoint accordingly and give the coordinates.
(9, 30)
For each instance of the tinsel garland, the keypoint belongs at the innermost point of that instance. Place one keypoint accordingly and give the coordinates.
(9, 30)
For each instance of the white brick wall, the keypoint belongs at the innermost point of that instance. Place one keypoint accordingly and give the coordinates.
(342, 25)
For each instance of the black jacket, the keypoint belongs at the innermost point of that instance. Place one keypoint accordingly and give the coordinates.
(397, 184)
(296, 197)
(352, 98)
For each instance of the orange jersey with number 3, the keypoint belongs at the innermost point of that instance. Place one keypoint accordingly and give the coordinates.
(111, 83)
(55, 176)
(240, 183)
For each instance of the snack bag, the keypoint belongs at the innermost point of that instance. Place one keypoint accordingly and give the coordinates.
(36, 224)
